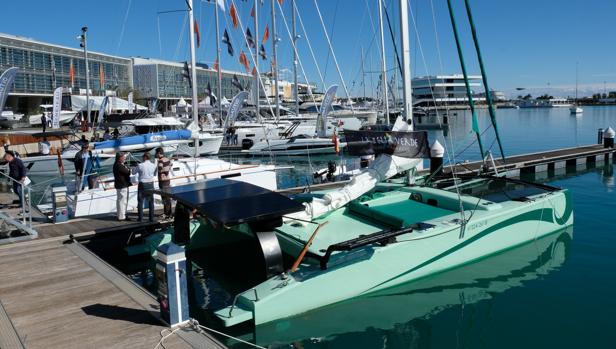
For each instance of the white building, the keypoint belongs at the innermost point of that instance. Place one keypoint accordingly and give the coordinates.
(444, 90)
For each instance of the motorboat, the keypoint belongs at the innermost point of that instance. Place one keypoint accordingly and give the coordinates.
(65, 118)
(8, 119)
(296, 145)
(209, 143)
(339, 112)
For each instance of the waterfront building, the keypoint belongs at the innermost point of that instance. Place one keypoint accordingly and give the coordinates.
(444, 90)
(44, 66)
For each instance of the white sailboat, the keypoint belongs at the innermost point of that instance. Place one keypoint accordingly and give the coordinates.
(575, 108)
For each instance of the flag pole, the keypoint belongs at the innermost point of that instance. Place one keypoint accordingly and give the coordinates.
(220, 94)
(256, 58)
(275, 59)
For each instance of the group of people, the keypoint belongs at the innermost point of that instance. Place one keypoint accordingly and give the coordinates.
(230, 136)
(146, 173)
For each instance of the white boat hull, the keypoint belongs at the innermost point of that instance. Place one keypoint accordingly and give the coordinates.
(102, 200)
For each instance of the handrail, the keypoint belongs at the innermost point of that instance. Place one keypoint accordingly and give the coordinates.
(26, 214)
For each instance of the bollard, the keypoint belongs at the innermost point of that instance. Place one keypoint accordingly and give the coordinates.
(436, 158)
(172, 290)
(600, 136)
(608, 138)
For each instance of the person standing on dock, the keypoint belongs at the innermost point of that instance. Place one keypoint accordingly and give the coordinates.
(164, 178)
(145, 174)
(17, 172)
(121, 176)
(44, 121)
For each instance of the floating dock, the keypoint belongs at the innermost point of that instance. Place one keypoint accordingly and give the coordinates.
(55, 293)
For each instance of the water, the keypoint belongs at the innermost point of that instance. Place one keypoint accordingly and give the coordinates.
(554, 292)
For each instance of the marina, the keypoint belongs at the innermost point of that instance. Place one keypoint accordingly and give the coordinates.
(306, 174)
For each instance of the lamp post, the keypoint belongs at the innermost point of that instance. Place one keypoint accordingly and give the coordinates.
(84, 43)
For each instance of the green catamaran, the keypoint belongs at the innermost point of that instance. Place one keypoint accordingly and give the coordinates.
(372, 234)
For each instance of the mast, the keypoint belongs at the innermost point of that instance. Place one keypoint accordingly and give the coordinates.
(256, 55)
(193, 72)
(219, 63)
(275, 58)
(363, 72)
(576, 82)
(406, 62)
(295, 88)
(383, 65)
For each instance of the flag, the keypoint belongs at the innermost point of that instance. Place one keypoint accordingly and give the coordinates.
(197, 34)
(216, 65)
(252, 12)
(262, 52)
(236, 82)
(101, 75)
(254, 71)
(233, 15)
(249, 40)
(221, 4)
(72, 74)
(280, 2)
(226, 41)
(265, 35)
(244, 61)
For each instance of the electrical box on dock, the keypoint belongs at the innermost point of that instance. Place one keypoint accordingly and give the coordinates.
(59, 202)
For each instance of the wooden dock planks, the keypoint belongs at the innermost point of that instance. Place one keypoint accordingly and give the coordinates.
(56, 300)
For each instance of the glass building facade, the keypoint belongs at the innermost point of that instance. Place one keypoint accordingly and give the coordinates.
(159, 79)
(43, 67)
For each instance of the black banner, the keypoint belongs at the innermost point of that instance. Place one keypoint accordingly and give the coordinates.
(406, 144)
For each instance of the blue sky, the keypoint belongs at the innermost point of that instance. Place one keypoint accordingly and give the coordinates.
(531, 44)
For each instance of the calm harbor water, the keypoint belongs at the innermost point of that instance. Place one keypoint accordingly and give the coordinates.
(554, 292)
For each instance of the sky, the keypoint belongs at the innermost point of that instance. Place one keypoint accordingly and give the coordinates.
(531, 44)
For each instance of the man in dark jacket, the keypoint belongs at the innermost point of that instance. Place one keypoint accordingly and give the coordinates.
(17, 172)
(121, 176)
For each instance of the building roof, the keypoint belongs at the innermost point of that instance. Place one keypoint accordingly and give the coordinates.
(76, 50)
(148, 61)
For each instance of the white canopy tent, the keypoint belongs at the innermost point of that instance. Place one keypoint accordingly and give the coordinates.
(78, 103)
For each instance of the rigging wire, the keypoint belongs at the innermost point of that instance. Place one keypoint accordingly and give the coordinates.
(301, 23)
(331, 48)
(421, 52)
(331, 30)
(123, 26)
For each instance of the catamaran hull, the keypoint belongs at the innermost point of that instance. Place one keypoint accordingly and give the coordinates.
(411, 257)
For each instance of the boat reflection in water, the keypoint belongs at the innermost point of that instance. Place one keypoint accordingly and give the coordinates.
(397, 317)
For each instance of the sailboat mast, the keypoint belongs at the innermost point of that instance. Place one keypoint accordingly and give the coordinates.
(193, 62)
(220, 94)
(406, 62)
(383, 64)
(256, 55)
(193, 71)
(363, 72)
(275, 58)
(576, 82)
(295, 87)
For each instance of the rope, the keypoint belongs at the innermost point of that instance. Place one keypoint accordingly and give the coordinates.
(123, 26)
(301, 23)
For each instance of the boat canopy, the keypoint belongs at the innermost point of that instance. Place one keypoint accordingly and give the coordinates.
(232, 202)
(78, 103)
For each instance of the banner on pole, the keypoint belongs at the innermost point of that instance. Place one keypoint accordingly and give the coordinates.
(57, 107)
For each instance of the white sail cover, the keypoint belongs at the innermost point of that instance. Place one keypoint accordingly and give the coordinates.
(115, 103)
(384, 167)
